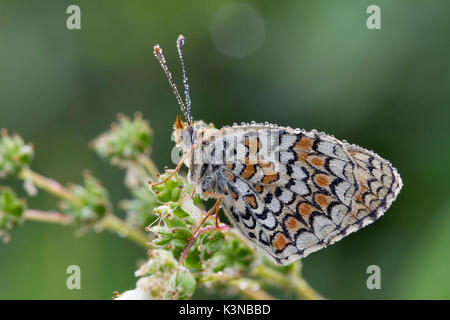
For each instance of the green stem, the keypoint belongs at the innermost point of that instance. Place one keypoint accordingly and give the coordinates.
(295, 282)
(48, 185)
(216, 278)
(49, 217)
(143, 174)
(115, 224)
(292, 281)
(304, 290)
(110, 222)
(149, 165)
(246, 289)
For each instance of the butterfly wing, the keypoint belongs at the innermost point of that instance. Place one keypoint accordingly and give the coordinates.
(292, 192)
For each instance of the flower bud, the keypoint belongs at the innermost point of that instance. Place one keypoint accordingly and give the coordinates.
(15, 155)
(11, 211)
(93, 201)
(128, 140)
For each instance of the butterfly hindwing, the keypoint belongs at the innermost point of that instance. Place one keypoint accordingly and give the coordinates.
(309, 191)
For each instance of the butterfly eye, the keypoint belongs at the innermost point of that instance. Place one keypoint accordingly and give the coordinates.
(188, 136)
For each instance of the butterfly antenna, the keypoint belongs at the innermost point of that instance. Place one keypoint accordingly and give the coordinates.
(157, 51)
(180, 44)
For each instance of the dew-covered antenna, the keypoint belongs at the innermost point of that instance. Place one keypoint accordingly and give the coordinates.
(180, 44)
(157, 50)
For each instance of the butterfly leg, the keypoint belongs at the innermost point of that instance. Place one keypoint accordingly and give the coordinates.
(175, 170)
(216, 216)
(193, 192)
(195, 234)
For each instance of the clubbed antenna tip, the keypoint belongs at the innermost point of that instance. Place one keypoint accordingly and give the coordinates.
(157, 51)
(180, 44)
(180, 40)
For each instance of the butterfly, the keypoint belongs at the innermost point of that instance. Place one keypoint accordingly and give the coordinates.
(290, 192)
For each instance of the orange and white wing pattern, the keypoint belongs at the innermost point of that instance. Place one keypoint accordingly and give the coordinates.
(309, 191)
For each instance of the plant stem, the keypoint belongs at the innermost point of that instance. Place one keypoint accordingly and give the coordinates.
(143, 174)
(304, 290)
(49, 217)
(48, 185)
(295, 282)
(246, 289)
(149, 165)
(115, 224)
(109, 222)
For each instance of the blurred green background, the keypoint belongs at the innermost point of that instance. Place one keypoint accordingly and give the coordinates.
(308, 64)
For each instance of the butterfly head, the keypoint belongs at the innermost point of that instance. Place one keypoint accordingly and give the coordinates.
(186, 135)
